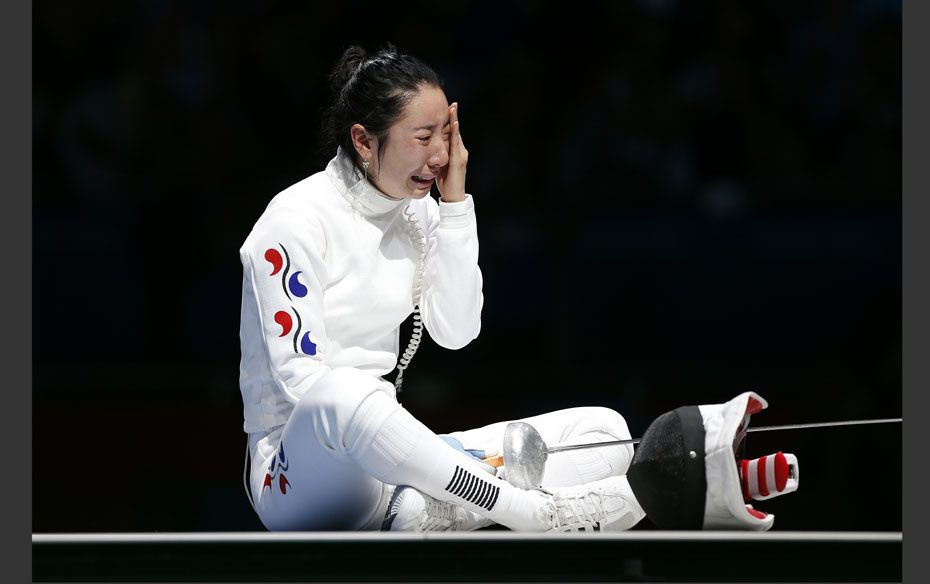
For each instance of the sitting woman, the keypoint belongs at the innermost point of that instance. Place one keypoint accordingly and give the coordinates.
(331, 269)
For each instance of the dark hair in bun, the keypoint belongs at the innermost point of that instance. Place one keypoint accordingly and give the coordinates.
(371, 90)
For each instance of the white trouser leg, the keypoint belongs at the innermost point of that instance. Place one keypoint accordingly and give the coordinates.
(570, 426)
(325, 488)
(345, 438)
(591, 479)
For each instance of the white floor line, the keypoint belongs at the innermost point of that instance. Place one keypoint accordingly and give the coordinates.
(257, 537)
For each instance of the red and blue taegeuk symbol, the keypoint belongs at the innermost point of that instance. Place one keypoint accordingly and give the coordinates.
(276, 470)
(290, 285)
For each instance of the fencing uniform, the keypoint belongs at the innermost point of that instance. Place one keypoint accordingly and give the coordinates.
(330, 271)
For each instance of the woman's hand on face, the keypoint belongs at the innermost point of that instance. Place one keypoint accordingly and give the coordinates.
(451, 179)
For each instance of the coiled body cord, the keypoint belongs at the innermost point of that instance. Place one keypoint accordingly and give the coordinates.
(419, 246)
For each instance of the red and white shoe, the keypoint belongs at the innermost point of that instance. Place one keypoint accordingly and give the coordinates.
(768, 476)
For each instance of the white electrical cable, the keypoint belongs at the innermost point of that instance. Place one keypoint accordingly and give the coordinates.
(419, 245)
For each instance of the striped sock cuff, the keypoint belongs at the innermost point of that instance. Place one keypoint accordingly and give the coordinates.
(475, 490)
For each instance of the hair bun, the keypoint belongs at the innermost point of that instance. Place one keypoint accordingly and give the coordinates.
(372, 90)
(347, 65)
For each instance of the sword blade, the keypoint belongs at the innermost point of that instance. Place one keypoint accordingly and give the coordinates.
(567, 447)
(824, 425)
(592, 445)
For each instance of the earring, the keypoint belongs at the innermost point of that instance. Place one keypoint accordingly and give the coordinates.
(365, 164)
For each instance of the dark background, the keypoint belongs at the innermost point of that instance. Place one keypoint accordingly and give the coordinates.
(677, 202)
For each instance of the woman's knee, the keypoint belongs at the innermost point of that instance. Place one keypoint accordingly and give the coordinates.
(333, 404)
(596, 419)
(341, 391)
(612, 422)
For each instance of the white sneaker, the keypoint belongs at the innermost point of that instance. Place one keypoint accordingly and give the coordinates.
(411, 510)
(604, 505)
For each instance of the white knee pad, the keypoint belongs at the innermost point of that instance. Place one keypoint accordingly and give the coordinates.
(614, 427)
(611, 422)
(335, 406)
(584, 425)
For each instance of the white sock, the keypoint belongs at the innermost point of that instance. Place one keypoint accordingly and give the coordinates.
(396, 448)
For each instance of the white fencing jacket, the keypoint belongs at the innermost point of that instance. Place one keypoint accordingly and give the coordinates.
(328, 278)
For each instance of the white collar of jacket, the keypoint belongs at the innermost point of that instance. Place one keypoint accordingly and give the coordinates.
(724, 428)
(360, 193)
